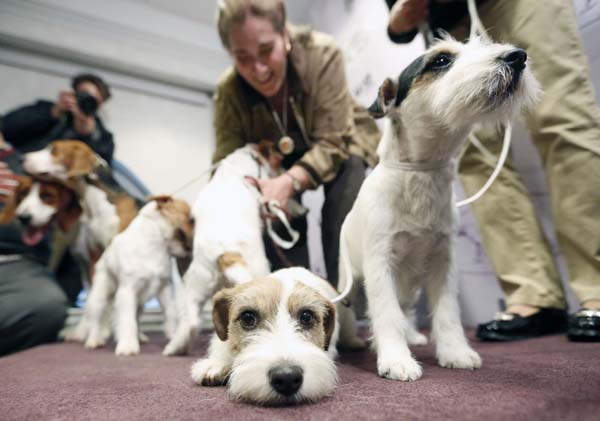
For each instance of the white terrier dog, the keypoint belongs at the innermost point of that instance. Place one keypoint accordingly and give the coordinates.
(275, 340)
(135, 267)
(400, 233)
(228, 245)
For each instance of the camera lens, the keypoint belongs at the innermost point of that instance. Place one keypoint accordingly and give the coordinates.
(86, 103)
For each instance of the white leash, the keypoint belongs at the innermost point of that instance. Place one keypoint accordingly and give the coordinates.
(477, 28)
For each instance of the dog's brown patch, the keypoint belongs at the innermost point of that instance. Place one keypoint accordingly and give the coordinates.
(126, 209)
(18, 194)
(230, 258)
(259, 296)
(178, 213)
(306, 299)
(75, 156)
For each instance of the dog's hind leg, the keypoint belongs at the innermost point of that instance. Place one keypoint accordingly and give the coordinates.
(452, 347)
(97, 306)
(213, 370)
(394, 359)
(126, 326)
(199, 286)
(348, 339)
(167, 303)
(413, 336)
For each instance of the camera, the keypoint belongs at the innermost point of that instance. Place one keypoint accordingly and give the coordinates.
(86, 103)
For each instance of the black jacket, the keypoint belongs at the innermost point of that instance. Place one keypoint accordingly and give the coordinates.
(442, 15)
(32, 127)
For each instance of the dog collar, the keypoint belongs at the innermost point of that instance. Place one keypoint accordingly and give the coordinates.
(416, 166)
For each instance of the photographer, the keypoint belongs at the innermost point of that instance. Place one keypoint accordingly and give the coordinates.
(72, 116)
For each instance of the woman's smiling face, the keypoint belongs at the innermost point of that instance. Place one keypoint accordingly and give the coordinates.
(260, 54)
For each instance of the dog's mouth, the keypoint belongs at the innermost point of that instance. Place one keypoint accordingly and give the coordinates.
(32, 236)
(504, 84)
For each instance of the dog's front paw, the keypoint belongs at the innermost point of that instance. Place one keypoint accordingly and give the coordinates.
(175, 347)
(94, 342)
(143, 338)
(209, 372)
(127, 347)
(352, 344)
(75, 335)
(404, 369)
(459, 357)
(416, 338)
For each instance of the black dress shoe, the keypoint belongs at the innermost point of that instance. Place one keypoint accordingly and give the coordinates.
(512, 327)
(584, 326)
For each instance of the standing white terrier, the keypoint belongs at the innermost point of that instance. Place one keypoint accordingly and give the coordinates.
(399, 236)
(135, 267)
(228, 245)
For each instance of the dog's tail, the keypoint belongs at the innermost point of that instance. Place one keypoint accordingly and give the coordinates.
(234, 267)
(347, 268)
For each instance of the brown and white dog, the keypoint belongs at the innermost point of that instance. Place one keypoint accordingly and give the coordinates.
(38, 204)
(135, 267)
(275, 340)
(105, 213)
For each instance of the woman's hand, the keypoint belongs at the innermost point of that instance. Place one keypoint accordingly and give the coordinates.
(279, 188)
(406, 15)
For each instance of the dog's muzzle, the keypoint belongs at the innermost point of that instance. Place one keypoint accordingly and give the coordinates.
(286, 379)
(515, 60)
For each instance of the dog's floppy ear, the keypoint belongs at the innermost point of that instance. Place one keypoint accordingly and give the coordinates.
(69, 211)
(8, 213)
(220, 313)
(386, 97)
(329, 323)
(77, 157)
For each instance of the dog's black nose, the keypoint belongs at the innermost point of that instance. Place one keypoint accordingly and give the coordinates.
(25, 219)
(515, 58)
(286, 379)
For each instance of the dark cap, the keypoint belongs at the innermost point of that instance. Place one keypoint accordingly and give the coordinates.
(96, 80)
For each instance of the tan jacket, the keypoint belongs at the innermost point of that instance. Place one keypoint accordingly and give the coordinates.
(330, 120)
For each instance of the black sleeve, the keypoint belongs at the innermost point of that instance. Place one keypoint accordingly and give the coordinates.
(404, 37)
(31, 121)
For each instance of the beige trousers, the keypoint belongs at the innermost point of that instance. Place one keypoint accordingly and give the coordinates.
(565, 129)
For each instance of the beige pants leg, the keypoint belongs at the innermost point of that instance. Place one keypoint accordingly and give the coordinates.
(565, 128)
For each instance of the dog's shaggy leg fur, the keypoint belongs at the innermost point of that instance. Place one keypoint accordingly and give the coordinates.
(213, 370)
(394, 359)
(200, 285)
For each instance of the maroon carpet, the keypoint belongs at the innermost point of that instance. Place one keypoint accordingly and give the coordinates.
(540, 379)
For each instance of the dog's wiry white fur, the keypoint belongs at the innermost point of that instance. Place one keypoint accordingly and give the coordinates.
(227, 215)
(400, 233)
(135, 267)
(246, 358)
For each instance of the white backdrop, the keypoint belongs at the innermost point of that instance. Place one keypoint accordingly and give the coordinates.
(163, 134)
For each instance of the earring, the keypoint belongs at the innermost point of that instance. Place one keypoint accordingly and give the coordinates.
(288, 46)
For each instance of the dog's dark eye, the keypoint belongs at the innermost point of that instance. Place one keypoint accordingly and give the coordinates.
(441, 61)
(248, 320)
(306, 318)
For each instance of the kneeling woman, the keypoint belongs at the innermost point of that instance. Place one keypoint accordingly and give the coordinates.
(288, 85)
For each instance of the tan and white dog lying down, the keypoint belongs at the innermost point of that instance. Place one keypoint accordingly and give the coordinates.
(275, 339)
(135, 267)
(105, 213)
(228, 244)
(400, 234)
